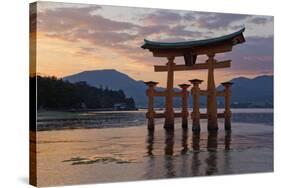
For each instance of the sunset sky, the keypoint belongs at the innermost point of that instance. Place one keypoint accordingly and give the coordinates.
(72, 38)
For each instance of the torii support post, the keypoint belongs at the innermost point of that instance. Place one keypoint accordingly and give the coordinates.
(150, 109)
(227, 111)
(195, 115)
(184, 111)
(169, 110)
(211, 97)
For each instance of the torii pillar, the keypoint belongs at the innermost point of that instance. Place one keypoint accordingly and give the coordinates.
(169, 110)
(211, 95)
(184, 112)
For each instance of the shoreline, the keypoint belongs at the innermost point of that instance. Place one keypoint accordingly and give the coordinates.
(136, 109)
(53, 120)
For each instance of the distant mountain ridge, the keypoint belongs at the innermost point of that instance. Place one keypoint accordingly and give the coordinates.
(114, 80)
(255, 92)
(245, 91)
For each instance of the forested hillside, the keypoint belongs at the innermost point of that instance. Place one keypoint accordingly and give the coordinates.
(57, 94)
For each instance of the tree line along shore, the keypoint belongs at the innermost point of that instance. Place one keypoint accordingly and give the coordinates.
(57, 94)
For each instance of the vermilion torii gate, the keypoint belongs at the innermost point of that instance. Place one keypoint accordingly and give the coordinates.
(190, 50)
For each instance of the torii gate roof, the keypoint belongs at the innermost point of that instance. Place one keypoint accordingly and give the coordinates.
(218, 45)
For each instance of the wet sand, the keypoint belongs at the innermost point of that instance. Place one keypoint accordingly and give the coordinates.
(84, 156)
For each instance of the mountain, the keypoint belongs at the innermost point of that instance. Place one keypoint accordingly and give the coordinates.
(257, 92)
(112, 79)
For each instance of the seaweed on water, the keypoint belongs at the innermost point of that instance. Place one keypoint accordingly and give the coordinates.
(105, 160)
(74, 159)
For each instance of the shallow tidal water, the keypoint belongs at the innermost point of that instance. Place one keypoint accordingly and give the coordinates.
(129, 153)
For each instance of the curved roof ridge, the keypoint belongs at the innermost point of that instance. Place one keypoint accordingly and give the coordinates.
(186, 44)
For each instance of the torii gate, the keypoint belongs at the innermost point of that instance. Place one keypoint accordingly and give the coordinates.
(190, 50)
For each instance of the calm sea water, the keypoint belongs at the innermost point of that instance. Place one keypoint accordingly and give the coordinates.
(92, 147)
(109, 119)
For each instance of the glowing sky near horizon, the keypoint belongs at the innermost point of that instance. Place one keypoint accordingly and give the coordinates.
(72, 38)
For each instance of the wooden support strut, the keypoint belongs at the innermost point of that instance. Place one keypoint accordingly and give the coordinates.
(150, 108)
(184, 111)
(227, 111)
(164, 94)
(205, 93)
(199, 66)
(195, 115)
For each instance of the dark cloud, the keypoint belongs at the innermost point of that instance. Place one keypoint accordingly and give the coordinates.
(153, 29)
(216, 21)
(180, 30)
(67, 19)
(162, 16)
(259, 20)
(107, 39)
(86, 51)
(189, 16)
(62, 19)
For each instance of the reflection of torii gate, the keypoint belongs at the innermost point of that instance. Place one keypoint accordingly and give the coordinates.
(189, 50)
